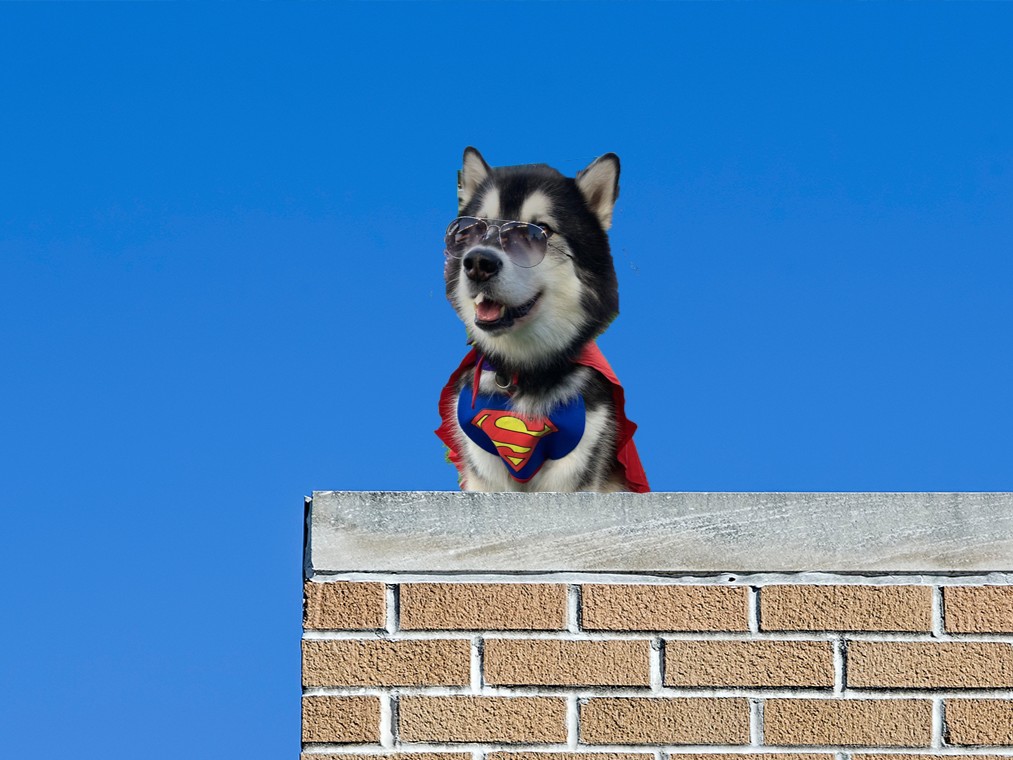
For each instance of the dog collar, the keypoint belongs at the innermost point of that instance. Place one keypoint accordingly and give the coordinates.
(504, 383)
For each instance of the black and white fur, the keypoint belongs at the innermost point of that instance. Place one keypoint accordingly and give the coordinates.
(572, 294)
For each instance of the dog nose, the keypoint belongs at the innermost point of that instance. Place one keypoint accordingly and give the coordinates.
(481, 264)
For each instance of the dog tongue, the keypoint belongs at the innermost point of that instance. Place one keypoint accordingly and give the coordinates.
(488, 311)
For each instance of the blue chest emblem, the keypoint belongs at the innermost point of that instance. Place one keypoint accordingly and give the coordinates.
(522, 443)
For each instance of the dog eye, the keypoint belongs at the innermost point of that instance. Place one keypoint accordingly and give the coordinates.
(548, 230)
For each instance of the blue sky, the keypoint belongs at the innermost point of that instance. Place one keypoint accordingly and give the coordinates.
(220, 289)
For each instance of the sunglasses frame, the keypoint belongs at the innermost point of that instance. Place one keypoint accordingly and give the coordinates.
(500, 226)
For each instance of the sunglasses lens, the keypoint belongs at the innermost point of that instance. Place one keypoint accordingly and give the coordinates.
(463, 234)
(525, 244)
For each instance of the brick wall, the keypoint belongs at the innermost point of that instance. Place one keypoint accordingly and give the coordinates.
(503, 666)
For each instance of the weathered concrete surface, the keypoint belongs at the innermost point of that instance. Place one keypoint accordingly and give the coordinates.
(660, 532)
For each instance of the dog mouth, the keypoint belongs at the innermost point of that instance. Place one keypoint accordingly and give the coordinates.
(493, 315)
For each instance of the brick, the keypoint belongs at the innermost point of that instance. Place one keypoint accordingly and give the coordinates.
(754, 756)
(940, 665)
(390, 756)
(749, 663)
(875, 756)
(567, 663)
(386, 663)
(512, 720)
(341, 720)
(664, 721)
(483, 606)
(979, 721)
(570, 756)
(344, 606)
(846, 608)
(978, 609)
(613, 607)
(848, 722)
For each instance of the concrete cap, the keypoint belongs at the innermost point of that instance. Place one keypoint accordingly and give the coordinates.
(692, 533)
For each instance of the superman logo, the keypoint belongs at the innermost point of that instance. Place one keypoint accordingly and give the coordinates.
(514, 437)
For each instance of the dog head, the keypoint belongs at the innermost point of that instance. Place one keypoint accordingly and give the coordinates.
(525, 315)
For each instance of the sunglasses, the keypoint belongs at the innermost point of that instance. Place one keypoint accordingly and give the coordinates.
(525, 244)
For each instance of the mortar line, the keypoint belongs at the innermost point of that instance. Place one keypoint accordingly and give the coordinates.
(840, 665)
(877, 636)
(392, 599)
(656, 665)
(387, 717)
(561, 692)
(761, 579)
(573, 608)
(756, 722)
(938, 623)
(476, 664)
(937, 723)
(753, 610)
(673, 752)
(572, 722)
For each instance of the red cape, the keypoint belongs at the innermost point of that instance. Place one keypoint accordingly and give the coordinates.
(590, 356)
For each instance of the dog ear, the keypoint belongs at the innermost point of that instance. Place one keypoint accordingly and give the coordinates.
(471, 176)
(599, 184)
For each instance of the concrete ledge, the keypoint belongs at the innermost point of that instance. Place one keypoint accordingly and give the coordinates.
(691, 533)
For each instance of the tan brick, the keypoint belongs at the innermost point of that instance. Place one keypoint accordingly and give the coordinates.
(664, 721)
(752, 756)
(392, 756)
(848, 722)
(483, 606)
(874, 756)
(749, 663)
(568, 756)
(608, 607)
(567, 663)
(386, 663)
(846, 608)
(344, 606)
(916, 665)
(341, 720)
(514, 720)
(979, 721)
(978, 609)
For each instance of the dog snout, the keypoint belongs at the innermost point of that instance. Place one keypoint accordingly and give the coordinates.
(481, 264)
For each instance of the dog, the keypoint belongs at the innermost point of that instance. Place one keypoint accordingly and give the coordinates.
(535, 406)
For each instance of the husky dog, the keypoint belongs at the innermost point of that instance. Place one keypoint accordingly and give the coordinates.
(535, 406)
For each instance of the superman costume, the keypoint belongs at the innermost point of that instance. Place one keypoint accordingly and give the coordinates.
(523, 444)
